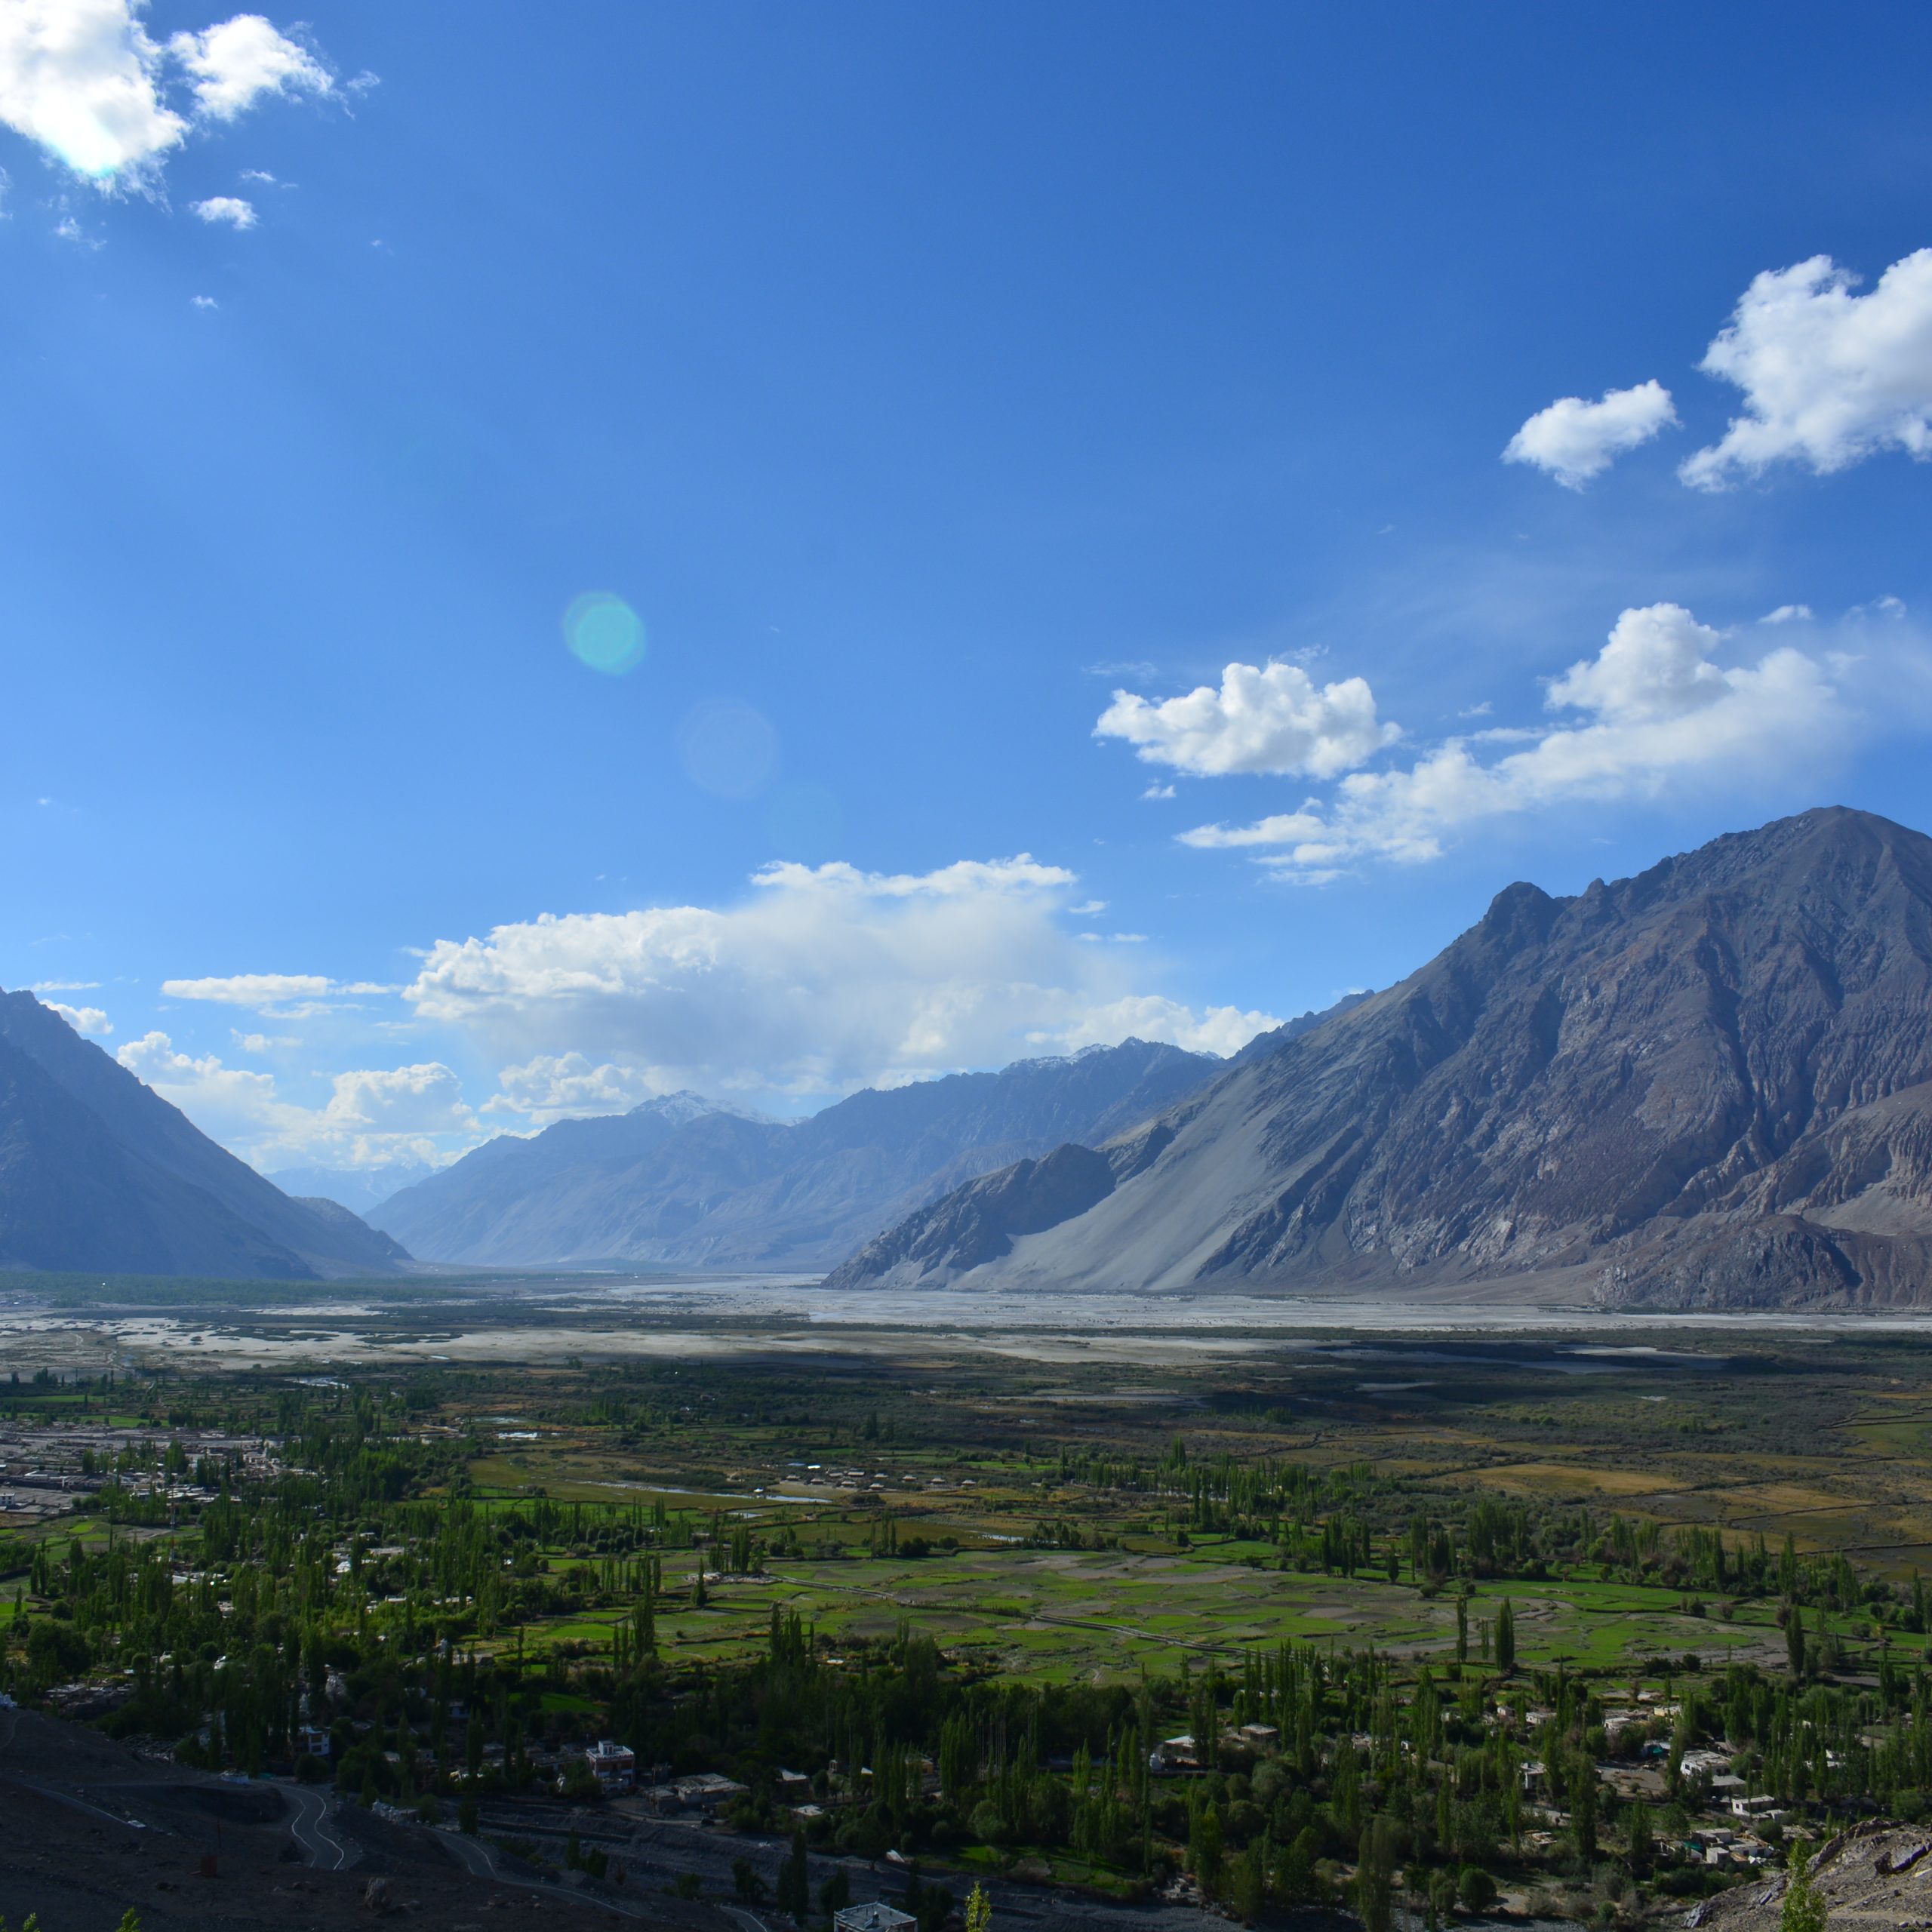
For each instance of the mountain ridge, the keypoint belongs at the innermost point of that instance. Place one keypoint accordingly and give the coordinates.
(98, 1171)
(728, 1190)
(1708, 1085)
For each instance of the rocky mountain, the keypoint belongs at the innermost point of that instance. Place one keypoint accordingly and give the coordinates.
(98, 1171)
(1709, 1086)
(679, 1182)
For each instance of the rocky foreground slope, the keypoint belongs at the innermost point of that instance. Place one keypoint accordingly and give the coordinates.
(1709, 1086)
(1876, 1877)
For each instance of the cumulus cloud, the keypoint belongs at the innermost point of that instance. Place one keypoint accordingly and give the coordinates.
(1656, 665)
(84, 1018)
(222, 1101)
(1656, 709)
(551, 1087)
(231, 66)
(822, 980)
(1271, 717)
(371, 1115)
(266, 992)
(1829, 377)
(230, 208)
(1218, 1029)
(83, 80)
(1574, 441)
(426, 1098)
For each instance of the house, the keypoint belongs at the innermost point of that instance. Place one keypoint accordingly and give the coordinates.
(790, 1784)
(311, 1739)
(1533, 1775)
(1173, 1754)
(875, 1917)
(613, 1765)
(1258, 1735)
(1763, 1806)
(708, 1791)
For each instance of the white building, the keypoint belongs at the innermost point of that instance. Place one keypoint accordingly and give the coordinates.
(613, 1765)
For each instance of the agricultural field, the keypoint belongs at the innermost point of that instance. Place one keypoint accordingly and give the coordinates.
(1285, 1619)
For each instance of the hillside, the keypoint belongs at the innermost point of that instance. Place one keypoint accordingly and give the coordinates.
(682, 1183)
(98, 1171)
(1708, 1086)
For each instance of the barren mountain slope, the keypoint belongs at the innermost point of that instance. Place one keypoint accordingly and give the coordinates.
(1706, 1085)
(715, 1189)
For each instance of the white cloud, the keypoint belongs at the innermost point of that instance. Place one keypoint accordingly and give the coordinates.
(64, 986)
(83, 80)
(264, 991)
(1788, 613)
(1270, 717)
(1216, 1029)
(1829, 378)
(230, 208)
(1574, 440)
(249, 988)
(84, 1018)
(233, 65)
(203, 302)
(820, 980)
(550, 1087)
(1659, 710)
(260, 1043)
(371, 1114)
(424, 1099)
(1656, 665)
(1158, 791)
(222, 1101)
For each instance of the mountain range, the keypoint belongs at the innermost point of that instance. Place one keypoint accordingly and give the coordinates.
(682, 1181)
(99, 1172)
(1709, 1086)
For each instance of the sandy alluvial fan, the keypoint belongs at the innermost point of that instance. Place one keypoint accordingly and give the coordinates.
(1709, 1086)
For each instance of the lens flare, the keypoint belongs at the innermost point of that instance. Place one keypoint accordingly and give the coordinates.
(604, 632)
(729, 748)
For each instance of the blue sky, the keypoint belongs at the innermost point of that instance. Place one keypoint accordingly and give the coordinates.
(922, 378)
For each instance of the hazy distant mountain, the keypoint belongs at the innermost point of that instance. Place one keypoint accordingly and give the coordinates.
(357, 1188)
(98, 1171)
(682, 1183)
(1708, 1086)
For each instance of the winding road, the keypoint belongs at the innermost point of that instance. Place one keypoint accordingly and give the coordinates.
(310, 1826)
